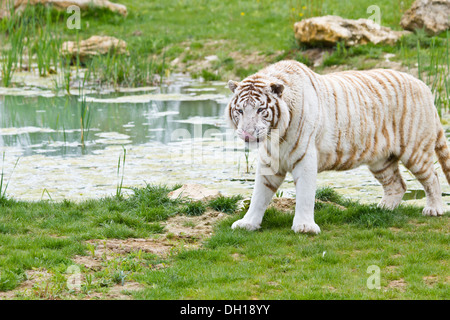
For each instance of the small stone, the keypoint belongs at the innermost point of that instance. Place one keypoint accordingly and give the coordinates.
(212, 58)
(95, 45)
(195, 192)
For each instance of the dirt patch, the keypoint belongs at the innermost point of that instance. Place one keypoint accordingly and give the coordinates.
(184, 231)
(104, 248)
(117, 292)
(430, 281)
(33, 277)
(391, 269)
(253, 58)
(181, 232)
(194, 191)
(416, 223)
(394, 65)
(89, 262)
(288, 204)
(236, 256)
(194, 62)
(193, 228)
(397, 284)
(109, 249)
(283, 204)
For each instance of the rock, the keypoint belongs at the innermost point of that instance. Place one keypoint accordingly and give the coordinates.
(175, 62)
(195, 192)
(328, 30)
(212, 58)
(432, 15)
(95, 45)
(62, 5)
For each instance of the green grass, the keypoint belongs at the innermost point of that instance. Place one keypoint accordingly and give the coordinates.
(275, 263)
(194, 208)
(272, 263)
(225, 204)
(45, 234)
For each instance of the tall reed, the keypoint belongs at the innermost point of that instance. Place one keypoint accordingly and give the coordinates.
(11, 54)
(433, 66)
(35, 35)
(3, 185)
(30, 33)
(122, 161)
(85, 120)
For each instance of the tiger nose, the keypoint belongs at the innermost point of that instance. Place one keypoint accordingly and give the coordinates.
(248, 136)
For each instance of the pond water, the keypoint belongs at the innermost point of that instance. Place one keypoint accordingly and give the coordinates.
(174, 134)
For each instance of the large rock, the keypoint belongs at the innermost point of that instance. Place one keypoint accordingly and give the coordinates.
(20, 5)
(195, 192)
(95, 45)
(328, 30)
(432, 15)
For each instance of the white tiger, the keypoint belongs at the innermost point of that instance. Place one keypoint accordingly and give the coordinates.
(336, 122)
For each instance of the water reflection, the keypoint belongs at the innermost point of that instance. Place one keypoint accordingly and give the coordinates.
(53, 125)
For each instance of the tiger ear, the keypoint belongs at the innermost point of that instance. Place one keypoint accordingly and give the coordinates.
(232, 85)
(277, 88)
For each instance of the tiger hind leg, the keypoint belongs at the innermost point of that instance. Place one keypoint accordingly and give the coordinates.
(387, 173)
(427, 176)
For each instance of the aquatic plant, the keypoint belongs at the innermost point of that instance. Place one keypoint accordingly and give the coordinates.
(121, 161)
(45, 40)
(35, 35)
(12, 51)
(3, 185)
(33, 32)
(85, 120)
(8, 65)
(116, 69)
(247, 154)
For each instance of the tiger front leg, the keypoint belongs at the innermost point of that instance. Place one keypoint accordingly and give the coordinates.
(265, 188)
(305, 176)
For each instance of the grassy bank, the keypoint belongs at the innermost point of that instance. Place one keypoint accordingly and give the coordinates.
(46, 235)
(214, 40)
(273, 263)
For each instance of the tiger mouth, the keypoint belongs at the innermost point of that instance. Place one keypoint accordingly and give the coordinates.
(256, 140)
(247, 140)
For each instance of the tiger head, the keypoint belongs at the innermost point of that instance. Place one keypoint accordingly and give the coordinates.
(256, 108)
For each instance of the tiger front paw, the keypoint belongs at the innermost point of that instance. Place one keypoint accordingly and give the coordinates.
(306, 228)
(245, 224)
(433, 212)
